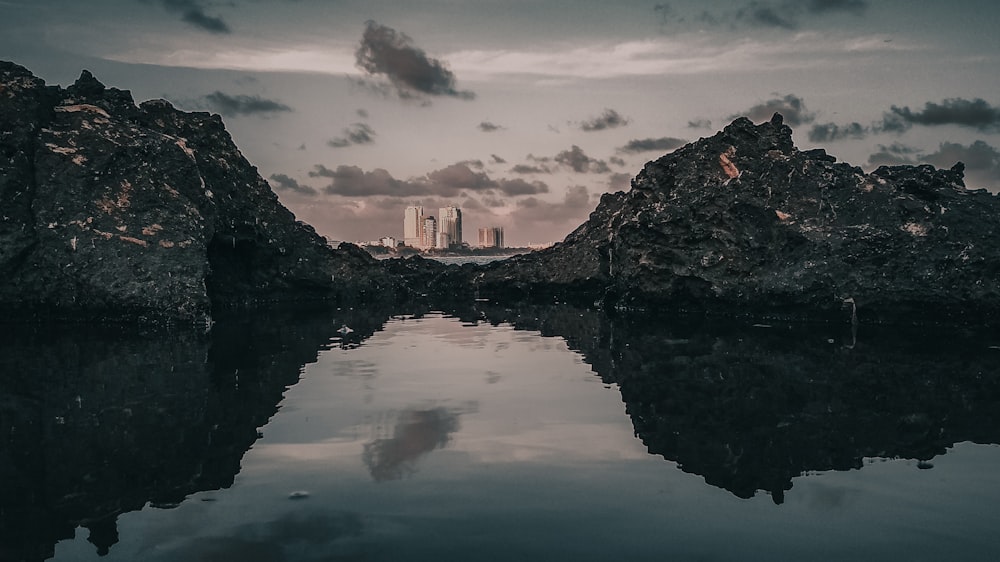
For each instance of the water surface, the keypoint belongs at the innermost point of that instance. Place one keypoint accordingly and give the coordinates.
(496, 434)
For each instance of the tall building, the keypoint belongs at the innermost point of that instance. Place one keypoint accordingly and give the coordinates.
(450, 223)
(491, 237)
(413, 226)
(429, 235)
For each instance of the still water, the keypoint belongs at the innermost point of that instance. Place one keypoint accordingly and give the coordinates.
(496, 434)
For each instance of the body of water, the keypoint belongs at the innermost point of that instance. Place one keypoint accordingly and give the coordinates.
(498, 434)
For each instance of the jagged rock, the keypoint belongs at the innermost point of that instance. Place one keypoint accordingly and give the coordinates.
(745, 223)
(110, 210)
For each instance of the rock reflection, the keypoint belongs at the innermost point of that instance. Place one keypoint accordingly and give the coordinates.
(97, 422)
(751, 408)
(415, 433)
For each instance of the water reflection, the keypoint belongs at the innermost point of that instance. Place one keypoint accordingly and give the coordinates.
(97, 422)
(750, 408)
(94, 424)
(415, 433)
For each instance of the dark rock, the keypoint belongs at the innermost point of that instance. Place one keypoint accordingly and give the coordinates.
(743, 223)
(113, 211)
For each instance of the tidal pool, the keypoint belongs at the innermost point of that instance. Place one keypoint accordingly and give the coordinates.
(537, 434)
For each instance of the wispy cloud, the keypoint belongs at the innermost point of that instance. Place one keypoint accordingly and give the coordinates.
(578, 161)
(229, 105)
(488, 127)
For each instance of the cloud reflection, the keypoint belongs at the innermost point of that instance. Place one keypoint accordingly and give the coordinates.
(416, 433)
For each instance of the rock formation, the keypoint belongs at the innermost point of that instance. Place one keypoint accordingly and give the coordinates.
(745, 223)
(113, 211)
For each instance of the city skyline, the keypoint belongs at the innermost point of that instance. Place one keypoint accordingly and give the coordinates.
(523, 114)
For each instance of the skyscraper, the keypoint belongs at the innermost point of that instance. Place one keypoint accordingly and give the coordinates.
(413, 226)
(491, 237)
(429, 234)
(450, 224)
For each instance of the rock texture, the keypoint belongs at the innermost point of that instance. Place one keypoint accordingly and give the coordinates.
(112, 210)
(745, 223)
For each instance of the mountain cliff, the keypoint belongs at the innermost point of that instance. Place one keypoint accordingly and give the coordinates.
(745, 223)
(118, 211)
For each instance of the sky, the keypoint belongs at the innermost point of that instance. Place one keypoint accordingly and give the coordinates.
(522, 113)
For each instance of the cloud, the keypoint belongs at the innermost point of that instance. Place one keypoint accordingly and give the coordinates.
(700, 124)
(417, 433)
(981, 160)
(792, 107)
(537, 219)
(610, 119)
(450, 181)
(617, 161)
(529, 169)
(893, 155)
(281, 182)
(856, 7)
(386, 52)
(830, 132)
(242, 105)
(496, 159)
(649, 145)
(787, 15)
(578, 161)
(358, 133)
(488, 127)
(619, 182)
(766, 15)
(977, 113)
(193, 12)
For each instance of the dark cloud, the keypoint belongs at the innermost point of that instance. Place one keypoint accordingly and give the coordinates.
(830, 132)
(386, 52)
(281, 182)
(648, 145)
(764, 14)
(856, 7)
(450, 181)
(529, 169)
(477, 164)
(362, 113)
(617, 161)
(242, 105)
(977, 113)
(981, 160)
(516, 186)
(496, 159)
(792, 107)
(358, 133)
(787, 15)
(193, 12)
(488, 127)
(700, 124)
(610, 119)
(578, 161)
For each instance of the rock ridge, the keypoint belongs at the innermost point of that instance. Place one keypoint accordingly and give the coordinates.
(116, 211)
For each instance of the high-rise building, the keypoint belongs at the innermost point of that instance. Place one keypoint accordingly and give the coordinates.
(413, 226)
(429, 235)
(450, 223)
(491, 237)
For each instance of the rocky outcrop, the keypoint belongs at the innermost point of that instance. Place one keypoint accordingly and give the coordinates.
(112, 210)
(745, 223)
